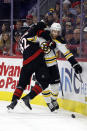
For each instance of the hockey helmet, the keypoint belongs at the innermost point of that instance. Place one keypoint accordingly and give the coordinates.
(55, 26)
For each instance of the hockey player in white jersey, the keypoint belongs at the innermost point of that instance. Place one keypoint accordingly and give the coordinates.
(50, 96)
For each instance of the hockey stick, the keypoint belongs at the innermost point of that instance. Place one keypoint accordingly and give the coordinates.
(79, 78)
(61, 88)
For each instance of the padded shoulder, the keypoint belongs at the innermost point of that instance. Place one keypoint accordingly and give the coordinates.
(61, 39)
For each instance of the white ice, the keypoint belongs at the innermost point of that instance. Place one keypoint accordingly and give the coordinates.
(39, 119)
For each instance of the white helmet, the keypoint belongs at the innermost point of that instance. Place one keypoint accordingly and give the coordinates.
(55, 26)
(85, 29)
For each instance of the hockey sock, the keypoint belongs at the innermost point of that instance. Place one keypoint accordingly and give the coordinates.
(17, 94)
(54, 90)
(47, 95)
(34, 92)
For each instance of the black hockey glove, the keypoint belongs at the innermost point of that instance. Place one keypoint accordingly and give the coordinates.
(75, 65)
(41, 25)
(44, 34)
(78, 68)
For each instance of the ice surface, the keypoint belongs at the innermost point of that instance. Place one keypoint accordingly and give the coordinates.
(39, 119)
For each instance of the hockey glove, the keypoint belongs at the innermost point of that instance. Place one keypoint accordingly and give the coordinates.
(44, 34)
(41, 25)
(78, 68)
(75, 65)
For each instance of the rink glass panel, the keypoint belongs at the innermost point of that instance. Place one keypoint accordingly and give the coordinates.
(15, 10)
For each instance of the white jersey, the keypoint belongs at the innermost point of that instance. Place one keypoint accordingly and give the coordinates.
(50, 55)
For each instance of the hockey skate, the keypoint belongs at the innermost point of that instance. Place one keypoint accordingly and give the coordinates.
(24, 102)
(55, 104)
(51, 107)
(12, 105)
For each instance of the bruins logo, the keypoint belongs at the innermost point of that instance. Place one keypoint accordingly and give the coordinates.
(45, 47)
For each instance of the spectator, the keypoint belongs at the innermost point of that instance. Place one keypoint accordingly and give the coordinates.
(18, 25)
(85, 11)
(78, 21)
(45, 18)
(77, 6)
(69, 12)
(5, 43)
(4, 28)
(29, 21)
(75, 10)
(69, 37)
(85, 7)
(68, 26)
(66, 6)
(57, 8)
(75, 42)
(67, 2)
(55, 17)
(84, 43)
(15, 45)
(70, 42)
(51, 10)
(50, 19)
(76, 36)
(35, 20)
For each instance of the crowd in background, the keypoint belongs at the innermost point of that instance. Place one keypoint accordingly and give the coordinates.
(71, 28)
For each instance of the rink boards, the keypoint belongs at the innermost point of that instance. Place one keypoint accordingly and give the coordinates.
(75, 92)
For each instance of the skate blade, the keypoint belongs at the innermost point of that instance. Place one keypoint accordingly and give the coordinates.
(22, 104)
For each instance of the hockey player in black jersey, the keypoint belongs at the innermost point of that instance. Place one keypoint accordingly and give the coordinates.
(33, 61)
(55, 77)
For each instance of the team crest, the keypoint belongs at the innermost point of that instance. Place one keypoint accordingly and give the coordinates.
(45, 47)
